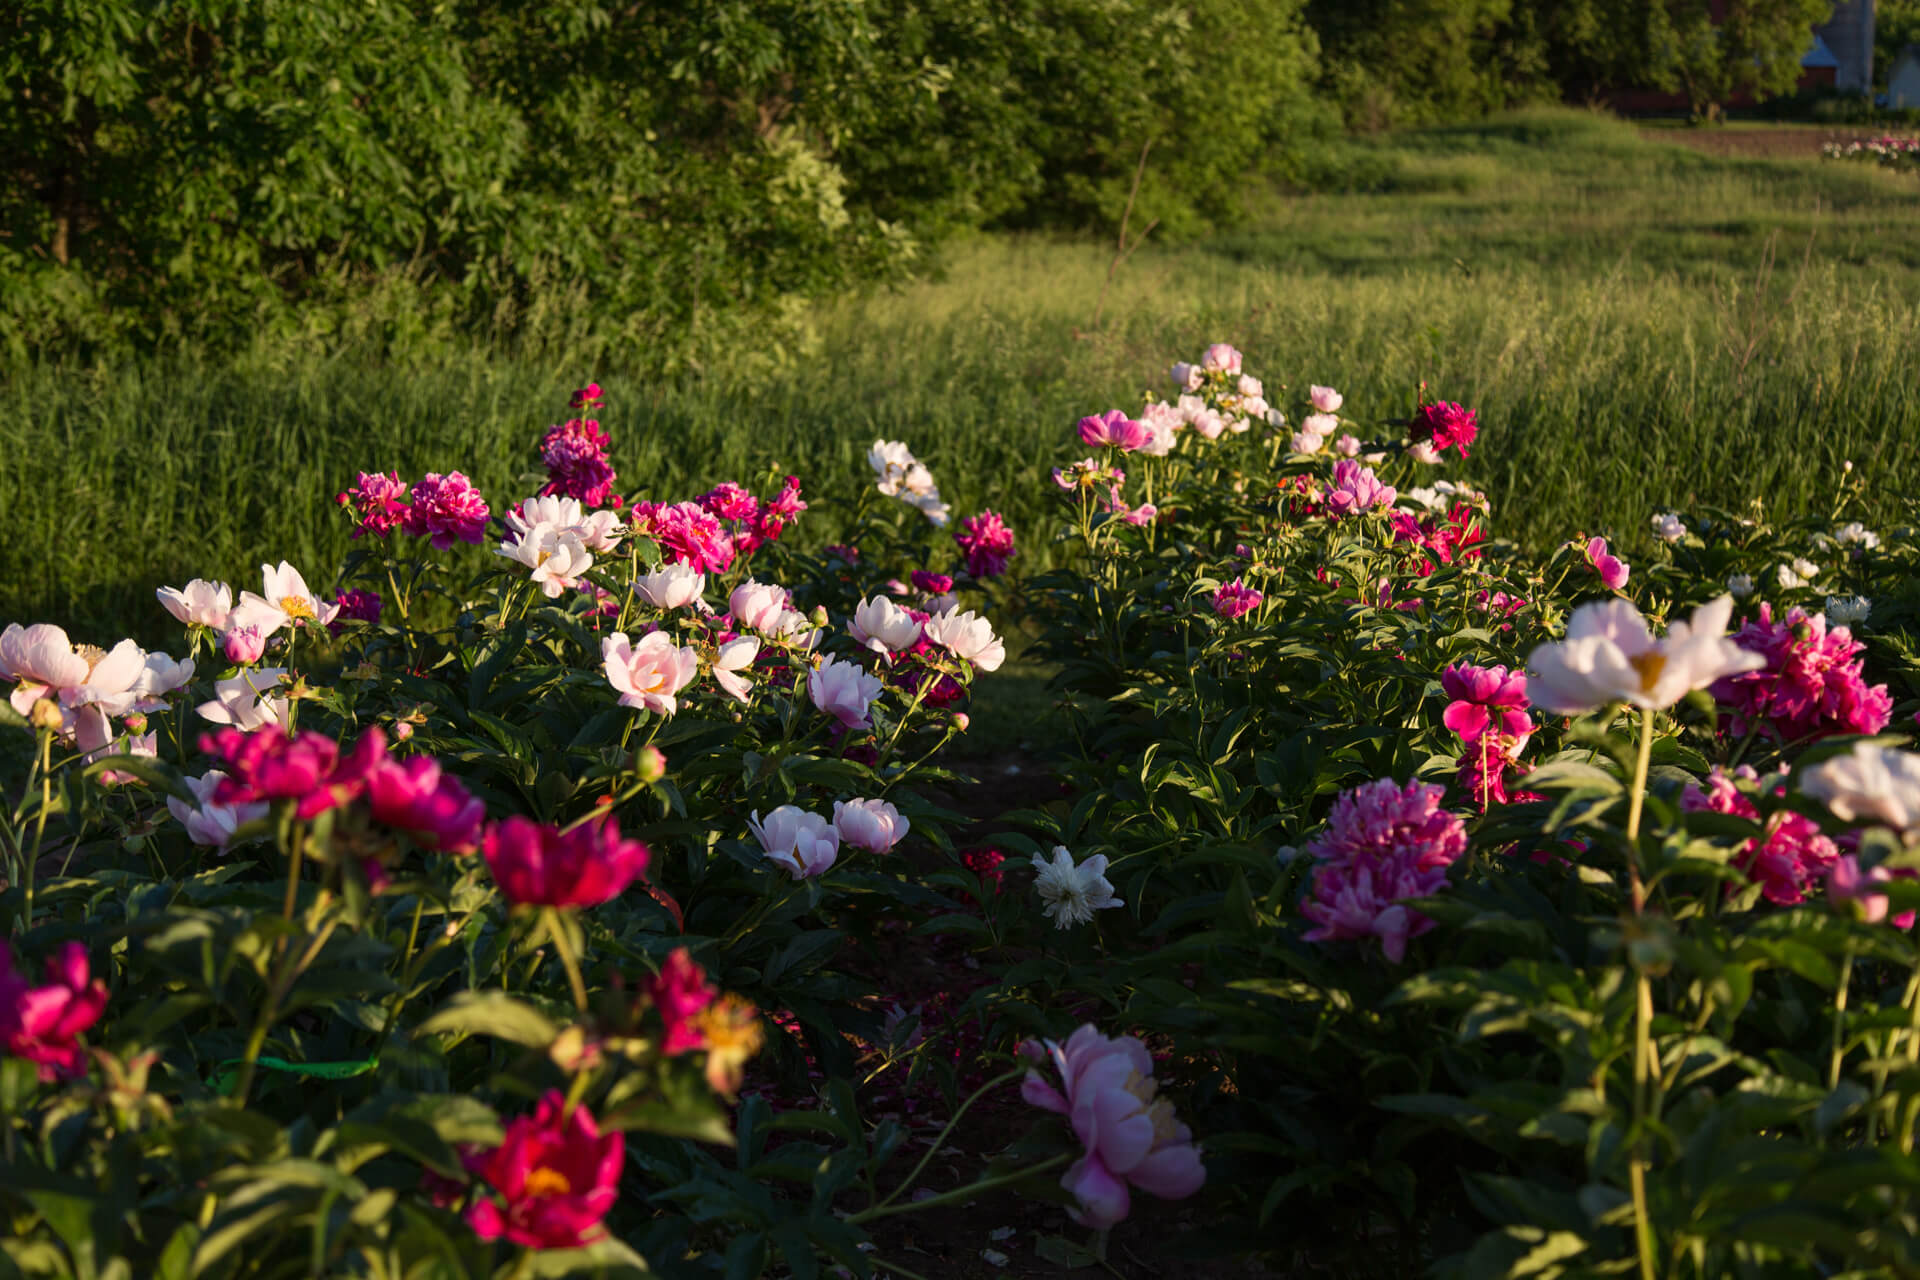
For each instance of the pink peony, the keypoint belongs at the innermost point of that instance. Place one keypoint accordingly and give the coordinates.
(1132, 1136)
(681, 993)
(588, 397)
(1813, 684)
(416, 796)
(1483, 697)
(1325, 399)
(843, 691)
(446, 508)
(934, 584)
(1791, 853)
(1383, 843)
(728, 501)
(538, 865)
(1847, 891)
(873, 825)
(379, 503)
(1236, 599)
(649, 673)
(575, 456)
(355, 606)
(243, 646)
(987, 542)
(1114, 428)
(41, 1025)
(1444, 425)
(1221, 358)
(1613, 571)
(271, 764)
(556, 1174)
(1356, 490)
(687, 533)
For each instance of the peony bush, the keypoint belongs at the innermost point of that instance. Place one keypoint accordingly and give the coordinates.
(544, 896)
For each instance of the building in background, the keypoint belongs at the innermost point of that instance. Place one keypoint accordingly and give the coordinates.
(1903, 78)
(1848, 37)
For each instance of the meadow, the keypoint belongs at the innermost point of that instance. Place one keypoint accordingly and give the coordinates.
(1639, 325)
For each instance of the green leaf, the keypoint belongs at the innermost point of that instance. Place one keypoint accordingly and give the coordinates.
(491, 1013)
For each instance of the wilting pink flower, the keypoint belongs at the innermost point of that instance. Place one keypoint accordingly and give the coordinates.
(1383, 843)
(1484, 697)
(1444, 425)
(681, 993)
(575, 456)
(42, 1025)
(556, 1175)
(805, 844)
(1813, 684)
(1613, 571)
(987, 542)
(1791, 854)
(272, 764)
(1221, 358)
(1236, 599)
(415, 796)
(199, 604)
(243, 646)
(1131, 1135)
(446, 508)
(538, 865)
(1115, 429)
(650, 673)
(1609, 655)
(1325, 399)
(686, 533)
(379, 503)
(843, 691)
(1356, 490)
(873, 825)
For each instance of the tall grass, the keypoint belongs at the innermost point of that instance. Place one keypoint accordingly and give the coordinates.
(1639, 326)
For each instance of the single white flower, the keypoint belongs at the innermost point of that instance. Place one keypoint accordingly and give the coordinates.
(1741, 585)
(803, 843)
(1870, 784)
(558, 558)
(883, 626)
(1321, 424)
(1609, 655)
(1424, 452)
(671, 586)
(1855, 533)
(597, 531)
(159, 677)
(930, 506)
(1844, 611)
(199, 604)
(899, 471)
(285, 601)
(245, 702)
(1308, 442)
(1071, 894)
(1788, 578)
(1668, 528)
(966, 635)
(736, 656)
(1425, 497)
(48, 665)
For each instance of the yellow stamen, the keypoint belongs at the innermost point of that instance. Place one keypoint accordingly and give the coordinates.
(92, 653)
(548, 1182)
(296, 607)
(1648, 665)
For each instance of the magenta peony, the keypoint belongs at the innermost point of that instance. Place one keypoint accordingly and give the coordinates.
(446, 508)
(1383, 843)
(41, 1025)
(987, 542)
(1444, 425)
(556, 1175)
(1812, 686)
(538, 865)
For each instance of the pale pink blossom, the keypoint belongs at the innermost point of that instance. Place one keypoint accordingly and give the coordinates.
(1348, 445)
(48, 665)
(1188, 377)
(883, 626)
(1609, 655)
(558, 558)
(1221, 358)
(597, 530)
(243, 646)
(1325, 399)
(873, 825)
(1308, 442)
(285, 601)
(843, 691)
(246, 701)
(1869, 785)
(968, 636)
(759, 605)
(1424, 453)
(731, 662)
(199, 604)
(803, 843)
(1321, 424)
(650, 673)
(671, 586)
(207, 821)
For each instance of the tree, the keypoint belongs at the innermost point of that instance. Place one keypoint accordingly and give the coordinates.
(1748, 46)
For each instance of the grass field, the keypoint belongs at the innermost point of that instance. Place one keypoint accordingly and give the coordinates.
(1639, 324)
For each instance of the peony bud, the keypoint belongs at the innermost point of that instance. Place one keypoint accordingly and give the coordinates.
(243, 645)
(650, 764)
(402, 731)
(961, 721)
(135, 722)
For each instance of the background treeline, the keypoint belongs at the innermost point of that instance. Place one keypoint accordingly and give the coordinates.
(673, 182)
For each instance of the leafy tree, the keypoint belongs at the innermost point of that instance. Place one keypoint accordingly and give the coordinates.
(1754, 47)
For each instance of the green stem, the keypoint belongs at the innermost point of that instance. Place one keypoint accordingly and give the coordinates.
(1642, 1013)
(276, 993)
(1839, 1020)
(293, 869)
(959, 1111)
(968, 1192)
(556, 929)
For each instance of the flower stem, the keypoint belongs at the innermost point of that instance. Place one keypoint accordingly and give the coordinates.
(293, 869)
(968, 1192)
(959, 1111)
(1642, 1013)
(1839, 1019)
(556, 930)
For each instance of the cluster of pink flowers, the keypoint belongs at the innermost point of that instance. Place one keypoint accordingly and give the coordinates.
(271, 765)
(1790, 854)
(1812, 686)
(445, 508)
(1384, 843)
(379, 502)
(1236, 599)
(1455, 536)
(1488, 711)
(536, 864)
(754, 524)
(1131, 1136)
(987, 542)
(42, 1025)
(1444, 425)
(1356, 490)
(1612, 569)
(687, 533)
(575, 455)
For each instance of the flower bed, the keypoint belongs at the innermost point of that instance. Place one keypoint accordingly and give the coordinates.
(1409, 892)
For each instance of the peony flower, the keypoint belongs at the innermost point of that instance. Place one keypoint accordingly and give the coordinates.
(843, 691)
(1844, 611)
(1444, 425)
(1609, 655)
(1187, 377)
(1347, 446)
(650, 673)
(245, 702)
(575, 456)
(1204, 420)
(1114, 429)
(1320, 424)
(873, 825)
(1812, 684)
(415, 796)
(672, 586)
(1870, 785)
(1132, 1136)
(557, 1177)
(1383, 843)
(759, 605)
(1423, 453)
(1789, 856)
(1325, 399)
(1613, 571)
(1740, 585)
(681, 993)
(1483, 698)
(732, 1031)
(379, 503)
(987, 542)
(307, 768)
(207, 821)
(1847, 889)
(967, 636)
(1221, 358)
(1070, 894)
(686, 533)
(42, 1025)
(934, 584)
(539, 865)
(199, 604)
(805, 844)
(735, 656)
(1163, 423)
(355, 606)
(1668, 528)
(883, 626)
(899, 471)
(48, 665)
(1856, 534)
(1356, 490)
(558, 558)
(1307, 442)
(446, 508)
(930, 506)
(285, 601)
(243, 646)
(1236, 599)
(597, 531)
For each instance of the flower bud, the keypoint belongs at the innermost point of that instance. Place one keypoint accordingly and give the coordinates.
(243, 646)
(45, 714)
(649, 764)
(961, 721)
(402, 730)
(136, 722)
